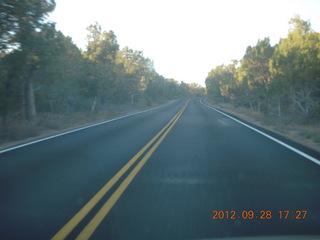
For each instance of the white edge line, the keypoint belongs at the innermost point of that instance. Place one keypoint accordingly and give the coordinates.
(268, 136)
(77, 129)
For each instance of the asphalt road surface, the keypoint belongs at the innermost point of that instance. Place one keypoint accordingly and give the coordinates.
(181, 171)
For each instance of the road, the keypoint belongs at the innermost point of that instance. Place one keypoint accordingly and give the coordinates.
(181, 171)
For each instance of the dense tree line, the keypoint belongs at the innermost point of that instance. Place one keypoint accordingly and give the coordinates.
(282, 80)
(41, 70)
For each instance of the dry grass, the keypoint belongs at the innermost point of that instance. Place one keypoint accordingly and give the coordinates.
(16, 132)
(307, 135)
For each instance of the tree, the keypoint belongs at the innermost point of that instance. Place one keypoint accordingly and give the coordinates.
(59, 76)
(213, 83)
(228, 81)
(26, 63)
(196, 90)
(100, 55)
(21, 25)
(19, 19)
(10, 89)
(284, 79)
(183, 89)
(295, 66)
(154, 87)
(135, 69)
(221, 83)
(253, 75)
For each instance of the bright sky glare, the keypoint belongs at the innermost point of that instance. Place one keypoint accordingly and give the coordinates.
(185, 38)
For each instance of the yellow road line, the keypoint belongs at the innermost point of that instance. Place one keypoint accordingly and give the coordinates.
(76, 219)
(97, 219)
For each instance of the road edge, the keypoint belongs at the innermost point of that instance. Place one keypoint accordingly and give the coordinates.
(263, 132)
(76, 129)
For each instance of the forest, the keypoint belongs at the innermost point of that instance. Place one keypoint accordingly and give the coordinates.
(280, 81)
(43, 71)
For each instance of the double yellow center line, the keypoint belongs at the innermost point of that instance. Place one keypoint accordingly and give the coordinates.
(101, 214)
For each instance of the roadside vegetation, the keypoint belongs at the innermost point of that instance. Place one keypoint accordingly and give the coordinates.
(47, 83)
(279, 86)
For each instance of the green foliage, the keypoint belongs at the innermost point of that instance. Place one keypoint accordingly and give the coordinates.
(133, 70)
(295, 67)
(10, 74)
(221, 83)
(100, 57)
(253, 76)
(284, 79)
(19, 19)
(41, 70)
(23, 28)
(59, 79)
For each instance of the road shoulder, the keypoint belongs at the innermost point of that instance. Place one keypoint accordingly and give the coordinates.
(289, 132)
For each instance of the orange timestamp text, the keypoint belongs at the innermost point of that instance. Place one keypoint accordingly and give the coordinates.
(263, 214)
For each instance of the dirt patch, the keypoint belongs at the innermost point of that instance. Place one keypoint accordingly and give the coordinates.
(307, 135)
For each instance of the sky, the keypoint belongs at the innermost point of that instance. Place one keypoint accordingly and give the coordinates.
(185, 39)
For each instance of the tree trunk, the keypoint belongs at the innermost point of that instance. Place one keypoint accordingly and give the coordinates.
(93, 106)
(31, 103)
(279, 107)
(28, 108)
(23, 103)
(251, 105)
(28, 104)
